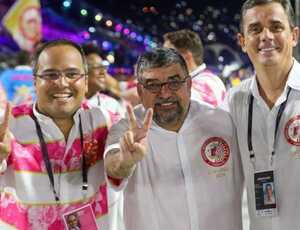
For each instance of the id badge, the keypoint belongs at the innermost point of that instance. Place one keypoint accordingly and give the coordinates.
(82, 218)
(265, 196)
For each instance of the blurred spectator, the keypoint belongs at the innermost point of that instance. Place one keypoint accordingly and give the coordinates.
(18, 81)
(206, 87)
(97, 75)
(128, 90)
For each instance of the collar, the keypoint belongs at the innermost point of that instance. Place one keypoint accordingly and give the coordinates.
(43, 118)
(198, 70)
(293, 81)
(254, 87)
(293, 78)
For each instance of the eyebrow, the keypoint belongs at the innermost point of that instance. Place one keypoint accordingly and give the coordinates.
(273, 21)
(55, 70)
(253, 25)
(173, 77)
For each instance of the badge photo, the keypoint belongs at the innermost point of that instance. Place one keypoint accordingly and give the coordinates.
(215, 151)
(82, 218)
(265, 196)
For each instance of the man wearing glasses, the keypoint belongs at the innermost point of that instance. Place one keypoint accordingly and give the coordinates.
(97, 73)
(181, 171)
(53, 165)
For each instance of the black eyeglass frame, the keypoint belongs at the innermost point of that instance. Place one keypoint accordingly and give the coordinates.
(167, 83)
(59, 75)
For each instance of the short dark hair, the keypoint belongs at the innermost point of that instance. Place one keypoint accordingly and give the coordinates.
(286, 5)
(159, 57)
(54, 43)
(187, 40)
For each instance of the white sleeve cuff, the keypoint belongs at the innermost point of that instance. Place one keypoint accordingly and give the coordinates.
(124, 182)
(110, 147)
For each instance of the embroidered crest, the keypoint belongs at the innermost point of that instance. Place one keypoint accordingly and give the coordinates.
(215, 151)
(292, 131)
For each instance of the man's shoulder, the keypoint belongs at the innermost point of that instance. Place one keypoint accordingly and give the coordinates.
(93, 111)
(207, 112)
(209, 79)
(214, 120)
(242, 89)
(107, 97)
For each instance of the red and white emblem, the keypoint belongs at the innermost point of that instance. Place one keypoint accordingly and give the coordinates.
(215, 151)
(292, 131)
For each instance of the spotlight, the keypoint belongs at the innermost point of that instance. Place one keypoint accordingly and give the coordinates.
(67, 3)
(83, 12)
(98, 17)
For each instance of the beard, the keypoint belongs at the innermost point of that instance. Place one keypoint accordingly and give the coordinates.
(166, 117)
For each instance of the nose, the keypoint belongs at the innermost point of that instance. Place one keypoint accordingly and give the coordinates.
(165, 92)
(266, 34)
(62, 80)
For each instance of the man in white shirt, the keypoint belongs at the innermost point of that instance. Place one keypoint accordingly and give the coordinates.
(265, 110)
(183, 170)
(97, 73)
(207, 87)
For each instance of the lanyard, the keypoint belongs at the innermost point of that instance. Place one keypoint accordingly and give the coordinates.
(249, 137)
(48, 163)
(98, 99)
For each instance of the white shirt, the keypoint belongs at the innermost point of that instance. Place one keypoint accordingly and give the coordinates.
(111, 108)
(207, 88)
(113, 112)
(287, 147)
(188, 180)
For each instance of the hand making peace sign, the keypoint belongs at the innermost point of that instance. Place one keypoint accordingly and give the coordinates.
(133, 143)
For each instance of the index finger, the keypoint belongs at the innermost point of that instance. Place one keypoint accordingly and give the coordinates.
(6, 118)
(148, 119)
(131, 117)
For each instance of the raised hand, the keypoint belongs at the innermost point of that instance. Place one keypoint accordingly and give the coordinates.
(5, 134)
(133, 147)
(133, 143)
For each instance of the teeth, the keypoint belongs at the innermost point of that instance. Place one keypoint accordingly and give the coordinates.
(267, 49)
(165, 104)
(62, 95)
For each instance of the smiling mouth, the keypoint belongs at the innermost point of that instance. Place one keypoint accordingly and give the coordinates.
(62, 96)
(269, 49)
(166, 105)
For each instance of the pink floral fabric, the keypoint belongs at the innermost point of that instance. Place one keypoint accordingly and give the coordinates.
(26, 200)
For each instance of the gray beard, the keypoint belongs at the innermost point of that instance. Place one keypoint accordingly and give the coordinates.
(168, 117)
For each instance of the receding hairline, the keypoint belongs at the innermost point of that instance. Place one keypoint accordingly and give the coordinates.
(54, 46)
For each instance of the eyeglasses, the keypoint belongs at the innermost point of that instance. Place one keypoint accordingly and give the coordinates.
(53, 76)
(155, 87)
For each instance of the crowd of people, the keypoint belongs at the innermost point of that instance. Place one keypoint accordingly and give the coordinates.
(175, 151)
